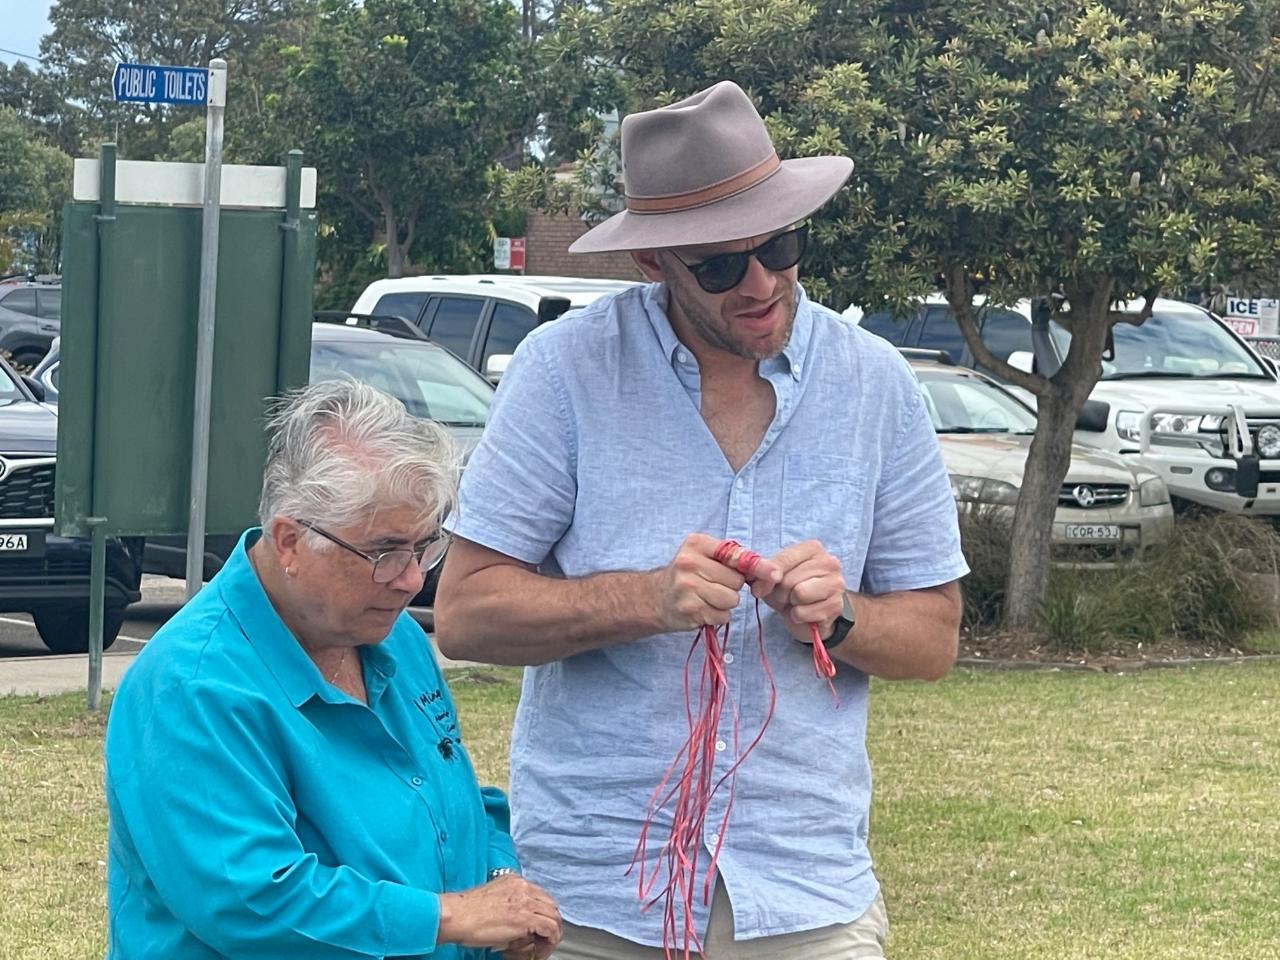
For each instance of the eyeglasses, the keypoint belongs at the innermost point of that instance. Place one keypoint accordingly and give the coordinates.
(722, 273)
(389, 564)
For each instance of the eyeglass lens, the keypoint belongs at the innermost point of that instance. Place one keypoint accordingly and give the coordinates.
(394, 562)
(723, 273)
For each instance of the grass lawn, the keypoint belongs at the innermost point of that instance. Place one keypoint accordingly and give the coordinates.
(1029, 816)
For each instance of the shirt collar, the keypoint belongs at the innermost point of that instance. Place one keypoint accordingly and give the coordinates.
(790, 360)
(278, 648)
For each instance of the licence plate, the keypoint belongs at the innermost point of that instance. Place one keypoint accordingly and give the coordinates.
(1093, 531)
(25, 544)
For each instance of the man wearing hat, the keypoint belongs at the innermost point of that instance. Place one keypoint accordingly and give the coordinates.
(628, 440)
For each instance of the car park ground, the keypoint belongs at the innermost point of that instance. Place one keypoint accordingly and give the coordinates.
(27, 667)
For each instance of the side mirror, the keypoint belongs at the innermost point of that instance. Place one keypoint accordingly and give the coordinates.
(1093, 416)
(496, 366)
(35, 386)
(1023, 360)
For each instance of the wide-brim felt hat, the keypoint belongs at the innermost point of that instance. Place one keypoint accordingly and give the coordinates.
(703, 170)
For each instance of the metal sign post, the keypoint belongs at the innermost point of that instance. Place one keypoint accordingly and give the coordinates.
(204, 341)
(189, 86)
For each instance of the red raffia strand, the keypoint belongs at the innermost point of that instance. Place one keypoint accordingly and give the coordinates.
(687, 783)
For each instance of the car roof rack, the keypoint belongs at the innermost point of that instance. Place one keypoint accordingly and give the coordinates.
(389, 323)
(920, 353)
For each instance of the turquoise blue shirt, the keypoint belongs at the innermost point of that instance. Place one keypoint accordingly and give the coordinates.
(596, 457)
(258, 811)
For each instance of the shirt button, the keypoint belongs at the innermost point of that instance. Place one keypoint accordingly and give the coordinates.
(417, 781)
(797, 369)
(682, 357)
(720, 745)
(444, 836)
(728, 657)
(713, 839)
(741, 483)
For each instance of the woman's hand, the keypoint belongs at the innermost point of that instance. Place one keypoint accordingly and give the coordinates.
(528, 948)
(503, 912)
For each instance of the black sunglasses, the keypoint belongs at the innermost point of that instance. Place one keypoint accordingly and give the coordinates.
(389, 564)
(722, 273)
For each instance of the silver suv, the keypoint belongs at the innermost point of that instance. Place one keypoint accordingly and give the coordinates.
(30, 317)
(1181, 394)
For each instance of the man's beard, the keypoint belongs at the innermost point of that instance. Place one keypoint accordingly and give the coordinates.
(714, 330)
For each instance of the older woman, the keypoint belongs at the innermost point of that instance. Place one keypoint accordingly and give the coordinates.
(284, 771)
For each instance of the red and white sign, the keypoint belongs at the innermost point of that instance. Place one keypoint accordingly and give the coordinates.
(508, 253)
(1252, 317)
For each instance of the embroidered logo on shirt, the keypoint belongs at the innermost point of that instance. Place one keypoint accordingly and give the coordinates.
(432, 706)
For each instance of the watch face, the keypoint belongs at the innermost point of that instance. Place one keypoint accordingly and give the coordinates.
(847, 610)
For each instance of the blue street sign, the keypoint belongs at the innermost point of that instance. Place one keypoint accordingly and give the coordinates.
(149, 83)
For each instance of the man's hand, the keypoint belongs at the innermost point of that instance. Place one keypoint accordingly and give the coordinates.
(696, 589)
(810, 589)
(499, 913)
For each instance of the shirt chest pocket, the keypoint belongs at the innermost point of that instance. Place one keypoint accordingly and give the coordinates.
(824, 498)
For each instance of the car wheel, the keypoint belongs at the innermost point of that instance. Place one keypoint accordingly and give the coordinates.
(24, 361)
(67, 630)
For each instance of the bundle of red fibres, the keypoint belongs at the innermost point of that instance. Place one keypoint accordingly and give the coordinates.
(687, 787)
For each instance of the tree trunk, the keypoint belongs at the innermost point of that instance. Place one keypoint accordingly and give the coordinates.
(1047, 465)
(396, 252)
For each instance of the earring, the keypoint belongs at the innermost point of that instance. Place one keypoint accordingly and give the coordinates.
(290, 572)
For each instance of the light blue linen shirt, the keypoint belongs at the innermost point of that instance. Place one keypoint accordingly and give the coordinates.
(257, 811)
(596, 458)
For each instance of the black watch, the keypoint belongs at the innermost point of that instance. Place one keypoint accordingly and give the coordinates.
(843, 625)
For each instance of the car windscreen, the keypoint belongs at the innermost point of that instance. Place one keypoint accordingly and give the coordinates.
(958, 403)
(429, 381)
(1173, 343)
(9, 389)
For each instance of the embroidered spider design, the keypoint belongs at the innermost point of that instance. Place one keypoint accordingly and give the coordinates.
(445, 746)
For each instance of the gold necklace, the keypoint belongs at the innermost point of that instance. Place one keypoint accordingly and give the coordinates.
(333, 679)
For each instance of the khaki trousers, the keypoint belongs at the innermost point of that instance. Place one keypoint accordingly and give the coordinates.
(863, 939)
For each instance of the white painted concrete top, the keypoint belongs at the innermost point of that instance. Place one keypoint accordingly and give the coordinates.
(182, 184)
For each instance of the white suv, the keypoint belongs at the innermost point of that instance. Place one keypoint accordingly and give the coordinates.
(481, 317)
(1181, 393)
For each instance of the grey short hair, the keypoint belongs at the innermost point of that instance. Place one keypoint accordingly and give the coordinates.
(339, 449)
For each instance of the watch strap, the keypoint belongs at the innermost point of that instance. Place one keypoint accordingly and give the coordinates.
(842, 626)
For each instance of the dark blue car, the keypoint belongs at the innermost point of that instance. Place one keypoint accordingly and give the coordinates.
(41, 573)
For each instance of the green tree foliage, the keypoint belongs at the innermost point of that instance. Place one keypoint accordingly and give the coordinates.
(405, 105)
(1104, 151)
(90, 36)
(35, 180)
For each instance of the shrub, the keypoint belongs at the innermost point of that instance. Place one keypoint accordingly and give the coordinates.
(984, 538)
(1200, 588)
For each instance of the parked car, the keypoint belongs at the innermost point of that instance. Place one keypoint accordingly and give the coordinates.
(1109, 508)
(41, 573)
(30, 317)
(1182, 372)
(429, 380)
(46, 372)
(481, 317)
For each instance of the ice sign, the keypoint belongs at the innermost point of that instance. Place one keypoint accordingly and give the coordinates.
(149, 83)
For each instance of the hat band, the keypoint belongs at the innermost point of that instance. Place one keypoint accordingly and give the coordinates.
(674, 203)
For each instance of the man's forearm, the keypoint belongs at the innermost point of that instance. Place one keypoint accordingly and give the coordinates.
(909, 635)
(509, 615)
